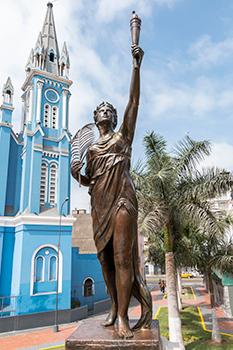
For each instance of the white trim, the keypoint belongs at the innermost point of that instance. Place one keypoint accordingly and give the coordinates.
(47, 109)
(45, 173)
(53, 90)
(7, 221)
(54, 118)
(8, 125)
(43, 269)
(41, 293)
(30, 104)
(53, 165)
(3, 106)
(93, 286)
(39, 85)
(45, 74)
(64, 108)
(32, 133)
(52, 256)
(33, 268)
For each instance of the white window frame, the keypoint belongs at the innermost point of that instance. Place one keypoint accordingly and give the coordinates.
(50, 184)
(43, 268)
(52, 256)
(45, 183)
(93, 286)
(49, 115)
(56, 117)
(33, 269)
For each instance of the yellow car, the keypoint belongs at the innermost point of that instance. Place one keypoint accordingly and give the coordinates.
(186, 275)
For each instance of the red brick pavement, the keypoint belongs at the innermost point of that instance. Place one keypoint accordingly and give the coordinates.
(37, 338)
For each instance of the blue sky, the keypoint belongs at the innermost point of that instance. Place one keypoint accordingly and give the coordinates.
(187, 72)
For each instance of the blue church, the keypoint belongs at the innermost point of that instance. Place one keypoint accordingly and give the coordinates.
(35, 225)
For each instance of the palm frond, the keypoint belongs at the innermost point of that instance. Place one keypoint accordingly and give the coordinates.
(201, 215)
(208, 184)
(188, 153)
(155, 145)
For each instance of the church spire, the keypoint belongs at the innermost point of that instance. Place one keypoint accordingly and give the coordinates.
(45, 55)
(8, 92)
(50, 44)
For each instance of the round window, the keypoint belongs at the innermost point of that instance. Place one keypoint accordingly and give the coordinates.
(51, 95)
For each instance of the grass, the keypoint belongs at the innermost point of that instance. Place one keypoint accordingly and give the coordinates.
(193, 334)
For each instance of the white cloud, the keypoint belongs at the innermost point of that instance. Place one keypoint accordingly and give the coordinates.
(207, 53)
(221, 156)
(108, 10)
(198, 98)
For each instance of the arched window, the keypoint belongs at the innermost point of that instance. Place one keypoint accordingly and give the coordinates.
(53, 184)
(54, 117)
(44, 270)
(46, 115)
(53, 268)
(88, 287)
(62, 69)
(8, 98)
(43, 184)
(51, 56)
(39, 269)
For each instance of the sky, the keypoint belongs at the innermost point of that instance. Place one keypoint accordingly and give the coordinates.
(186, 74)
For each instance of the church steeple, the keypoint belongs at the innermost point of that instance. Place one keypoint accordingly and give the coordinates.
(45, 56)
(49, 37)
(45, 133)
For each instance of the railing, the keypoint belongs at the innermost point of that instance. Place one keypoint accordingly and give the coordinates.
(7, 305)
(81, 295)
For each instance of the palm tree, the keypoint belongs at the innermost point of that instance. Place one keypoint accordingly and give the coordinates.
(172, 192)
(209, 253)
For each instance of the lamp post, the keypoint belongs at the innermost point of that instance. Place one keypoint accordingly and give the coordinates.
(56, 327)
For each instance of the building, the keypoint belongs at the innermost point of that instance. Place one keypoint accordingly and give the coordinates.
(35, 183)
(223, 284)
(87, 283)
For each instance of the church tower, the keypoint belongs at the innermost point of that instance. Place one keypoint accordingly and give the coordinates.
(45, 169)
(35, 225)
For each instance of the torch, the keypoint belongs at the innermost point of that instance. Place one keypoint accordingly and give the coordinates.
(135, 26)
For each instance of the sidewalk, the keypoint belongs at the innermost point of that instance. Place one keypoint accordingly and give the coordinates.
(45, 337)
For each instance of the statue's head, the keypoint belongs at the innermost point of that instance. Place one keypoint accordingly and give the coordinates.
(105, 112)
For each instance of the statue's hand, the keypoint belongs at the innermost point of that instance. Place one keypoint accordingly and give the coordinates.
(76, 167)
(137, 54)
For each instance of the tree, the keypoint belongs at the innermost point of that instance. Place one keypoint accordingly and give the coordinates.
(209, 252)
(171, 193)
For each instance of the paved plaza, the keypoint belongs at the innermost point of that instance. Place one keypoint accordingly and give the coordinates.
(45, 338)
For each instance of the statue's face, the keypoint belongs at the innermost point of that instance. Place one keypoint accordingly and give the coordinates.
(105, 116)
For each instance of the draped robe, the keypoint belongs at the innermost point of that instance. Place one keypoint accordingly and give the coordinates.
(111, 187)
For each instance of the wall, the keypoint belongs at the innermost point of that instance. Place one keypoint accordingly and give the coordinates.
(8, 241)
(230, 291)
(84, 266)
(16, 279)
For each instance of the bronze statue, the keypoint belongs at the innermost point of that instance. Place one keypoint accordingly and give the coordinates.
(114, 205)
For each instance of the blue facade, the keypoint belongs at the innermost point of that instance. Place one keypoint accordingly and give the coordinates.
(34, 205)
(35, 191)
(84, 267)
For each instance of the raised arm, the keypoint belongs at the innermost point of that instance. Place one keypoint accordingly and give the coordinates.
(130, 116)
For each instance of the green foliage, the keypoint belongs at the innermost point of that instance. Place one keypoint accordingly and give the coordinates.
(175, 201)
(193, 334)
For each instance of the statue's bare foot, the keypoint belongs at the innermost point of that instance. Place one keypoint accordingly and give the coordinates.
(111, 318)
(123, 328)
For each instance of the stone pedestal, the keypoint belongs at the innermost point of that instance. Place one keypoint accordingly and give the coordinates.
(90, 335)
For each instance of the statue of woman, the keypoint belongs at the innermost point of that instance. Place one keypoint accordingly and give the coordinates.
(114, 207)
